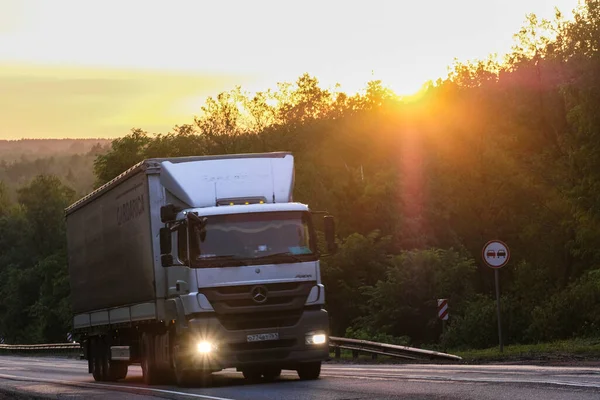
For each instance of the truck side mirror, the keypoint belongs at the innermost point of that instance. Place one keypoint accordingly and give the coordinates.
(329, 223)
(166, 260)
(165, 247)
(168, 213)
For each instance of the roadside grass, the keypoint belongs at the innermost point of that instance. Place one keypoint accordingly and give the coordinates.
(573, 349)
(558, 351)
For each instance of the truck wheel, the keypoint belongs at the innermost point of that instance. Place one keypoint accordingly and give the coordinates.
(103, 369)
(309, 371)
(97, 362)
(183, 378)
(149, 371)
(252, 374)
(118, 370)
(189, 377)
(271, 373)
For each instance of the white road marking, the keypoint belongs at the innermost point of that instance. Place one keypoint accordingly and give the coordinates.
(104, 385)
(470, 379)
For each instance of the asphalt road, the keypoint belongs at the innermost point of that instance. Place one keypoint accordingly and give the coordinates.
(62, 378)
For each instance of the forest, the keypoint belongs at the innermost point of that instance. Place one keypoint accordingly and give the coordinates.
(503, 149)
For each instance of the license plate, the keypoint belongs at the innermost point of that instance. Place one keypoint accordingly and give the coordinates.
(261, 337)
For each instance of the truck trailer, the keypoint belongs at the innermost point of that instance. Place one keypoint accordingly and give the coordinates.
(191, 265)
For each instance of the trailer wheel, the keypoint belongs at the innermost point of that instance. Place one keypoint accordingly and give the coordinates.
(103, 369)
(309, 371)
(97, 363)
(104, 351)
(100, 354)
(149, 370)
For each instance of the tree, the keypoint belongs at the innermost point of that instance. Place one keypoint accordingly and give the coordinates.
(125, 152)
(44, 201)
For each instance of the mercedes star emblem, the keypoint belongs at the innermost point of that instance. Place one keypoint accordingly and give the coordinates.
(259, 294)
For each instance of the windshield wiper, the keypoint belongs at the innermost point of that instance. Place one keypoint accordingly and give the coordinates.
(284, 254)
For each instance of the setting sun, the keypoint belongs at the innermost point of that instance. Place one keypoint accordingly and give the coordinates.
(151, 65)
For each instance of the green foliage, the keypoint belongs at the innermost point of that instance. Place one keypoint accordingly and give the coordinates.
(34, 281)
(475, 326)
(360, 262)
(562, 350)
(374, 336)
(125, 153)
(44, 201)
(404, 303)
(570, 313)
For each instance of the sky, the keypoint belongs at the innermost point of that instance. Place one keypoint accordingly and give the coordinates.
(97, 68)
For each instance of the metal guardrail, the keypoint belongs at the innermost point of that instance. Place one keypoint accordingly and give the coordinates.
(47, 349)
(40, 346)
(335, 344)
(374, 348)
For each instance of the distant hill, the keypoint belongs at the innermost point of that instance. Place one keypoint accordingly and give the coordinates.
(14, 150)
(71, 160)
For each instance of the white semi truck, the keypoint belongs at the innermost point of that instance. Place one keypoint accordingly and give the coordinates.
(191, 265)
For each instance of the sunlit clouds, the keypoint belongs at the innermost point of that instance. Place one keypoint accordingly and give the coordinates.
(106, 66)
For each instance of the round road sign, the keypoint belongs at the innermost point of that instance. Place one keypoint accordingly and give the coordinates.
(495, 254)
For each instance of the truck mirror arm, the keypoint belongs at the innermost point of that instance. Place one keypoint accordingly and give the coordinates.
(173, 226)
(195, 219)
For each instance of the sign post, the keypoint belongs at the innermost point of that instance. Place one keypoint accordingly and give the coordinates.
(496, 255)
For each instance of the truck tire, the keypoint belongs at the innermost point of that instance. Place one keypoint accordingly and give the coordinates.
(103, 368)
(118, 370)
(271, 373)
(97, 355)
(309, 371)
(150, 372)
(252, 374)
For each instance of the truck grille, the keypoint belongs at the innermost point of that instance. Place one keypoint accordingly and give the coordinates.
(276, 319)
(271, 344)
(275, 287)
(264, 356)
(239, 299)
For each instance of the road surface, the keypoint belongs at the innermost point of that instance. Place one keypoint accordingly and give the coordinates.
(62, 378)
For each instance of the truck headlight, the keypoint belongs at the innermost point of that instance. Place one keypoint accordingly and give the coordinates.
(205, 347)
(316, 338)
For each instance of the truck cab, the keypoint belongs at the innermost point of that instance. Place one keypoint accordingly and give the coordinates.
(244, 278)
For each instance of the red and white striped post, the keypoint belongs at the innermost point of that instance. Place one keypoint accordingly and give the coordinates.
(443, 309)
(443, 312)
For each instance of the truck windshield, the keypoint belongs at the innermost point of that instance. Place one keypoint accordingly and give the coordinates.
(253, 238)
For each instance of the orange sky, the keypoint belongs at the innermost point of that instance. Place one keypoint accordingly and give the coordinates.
(72, 68)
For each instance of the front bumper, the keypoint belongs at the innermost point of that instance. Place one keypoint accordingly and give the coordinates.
(232, 349)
